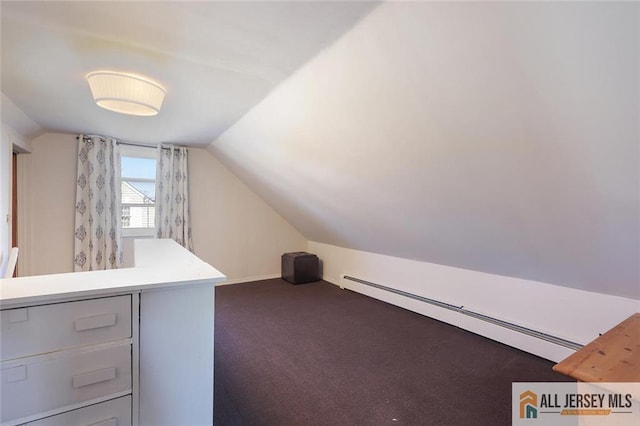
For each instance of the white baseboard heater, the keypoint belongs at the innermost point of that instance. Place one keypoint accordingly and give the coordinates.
(460, 309)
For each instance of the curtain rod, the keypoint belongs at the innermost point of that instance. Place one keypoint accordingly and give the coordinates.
(119, 142)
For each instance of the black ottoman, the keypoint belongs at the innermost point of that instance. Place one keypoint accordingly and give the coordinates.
(300, 267)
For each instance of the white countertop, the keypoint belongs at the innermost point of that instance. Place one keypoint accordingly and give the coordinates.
(158, 263)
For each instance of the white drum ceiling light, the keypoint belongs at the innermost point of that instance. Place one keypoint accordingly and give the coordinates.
(126, 93)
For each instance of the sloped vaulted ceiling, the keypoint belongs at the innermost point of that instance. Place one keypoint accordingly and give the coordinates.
(216, 59)
(498, 137)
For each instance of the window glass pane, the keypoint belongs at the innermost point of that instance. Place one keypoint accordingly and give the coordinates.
(135, 167)
(138, 192)
(148, 189)
(126, 217)
(138, 217)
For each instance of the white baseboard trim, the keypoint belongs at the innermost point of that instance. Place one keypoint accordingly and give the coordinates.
(575, 315)
(249, 279)
(517, 340)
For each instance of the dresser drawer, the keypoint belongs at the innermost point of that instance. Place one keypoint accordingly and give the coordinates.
(40, 384)
(47, 328)
(116, 412)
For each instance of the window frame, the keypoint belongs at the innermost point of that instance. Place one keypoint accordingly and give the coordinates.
(136, 152)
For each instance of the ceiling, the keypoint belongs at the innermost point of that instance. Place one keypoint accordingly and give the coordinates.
(500, 137)
(216, 59)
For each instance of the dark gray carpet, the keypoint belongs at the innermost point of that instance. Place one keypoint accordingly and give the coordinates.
(313, 354)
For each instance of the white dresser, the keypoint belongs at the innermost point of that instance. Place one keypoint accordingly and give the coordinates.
(132, 346)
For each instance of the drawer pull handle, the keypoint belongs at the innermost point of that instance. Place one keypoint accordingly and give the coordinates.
(87, 379)
(110, 422)
(89, 323)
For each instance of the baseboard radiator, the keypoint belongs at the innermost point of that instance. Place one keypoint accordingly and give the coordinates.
(460, 309)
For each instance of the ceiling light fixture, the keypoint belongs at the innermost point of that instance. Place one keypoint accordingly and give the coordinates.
(126, 93)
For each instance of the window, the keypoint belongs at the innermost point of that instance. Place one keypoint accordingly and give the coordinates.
(138, 185)
(126, 216)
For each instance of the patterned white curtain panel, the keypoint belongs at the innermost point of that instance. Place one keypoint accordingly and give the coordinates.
(172, 195)
(97, 219)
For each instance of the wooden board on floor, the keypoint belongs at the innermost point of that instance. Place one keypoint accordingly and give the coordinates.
(612, 357)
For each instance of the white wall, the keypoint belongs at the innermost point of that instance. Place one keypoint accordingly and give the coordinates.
(494, 136)
(233, 229)
(18, 124)
(5, 198)
(46, 203)
(16, 130)
(575, 315)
